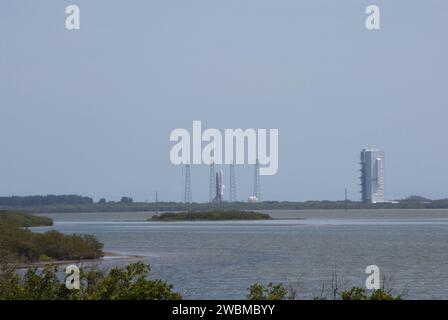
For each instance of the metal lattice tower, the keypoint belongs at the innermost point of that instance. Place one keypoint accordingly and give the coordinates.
(232, 196)
(187, 194)
(219, 188)
(257, 187)
(212, 182)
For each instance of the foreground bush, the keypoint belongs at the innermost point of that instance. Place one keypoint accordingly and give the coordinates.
(269, 292)
(356, 293)
(129, 283)
(279, 292)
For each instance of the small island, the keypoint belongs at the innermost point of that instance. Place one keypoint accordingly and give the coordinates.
(217, 215)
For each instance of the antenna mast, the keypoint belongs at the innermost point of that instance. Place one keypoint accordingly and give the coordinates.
(212, 188)
(232, 196)
(257, 187)
(187, 194)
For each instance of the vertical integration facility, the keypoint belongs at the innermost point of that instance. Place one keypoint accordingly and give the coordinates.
(372, 175)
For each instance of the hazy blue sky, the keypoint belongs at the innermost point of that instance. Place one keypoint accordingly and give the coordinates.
(90, 112)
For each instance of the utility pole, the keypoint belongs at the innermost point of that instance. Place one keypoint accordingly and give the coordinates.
(232, 196)
(212, 186)
(257, 187)
(346, 200)
(157, 203)
(187, 194)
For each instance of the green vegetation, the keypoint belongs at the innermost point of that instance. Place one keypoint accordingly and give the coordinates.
(16, 201)
(132, 283)
(20, 245)
(210, 215)
(356, 293)
(73, 203)
(269, 292)
(126, 200)
(129, 283)
(24, 220)
(279, 292)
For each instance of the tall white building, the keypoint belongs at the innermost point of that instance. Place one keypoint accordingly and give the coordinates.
(372, 175)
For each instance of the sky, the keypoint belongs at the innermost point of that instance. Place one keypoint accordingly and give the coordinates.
(90, 111)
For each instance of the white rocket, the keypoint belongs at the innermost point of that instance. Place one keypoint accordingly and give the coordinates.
(219, 187)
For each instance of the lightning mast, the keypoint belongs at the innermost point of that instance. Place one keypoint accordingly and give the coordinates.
(232, 196)
(212, 182)
(257, 187)
(187, 194)
(219, 187)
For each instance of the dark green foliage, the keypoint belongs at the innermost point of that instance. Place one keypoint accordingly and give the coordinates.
(278, 292)
(129, 283)
(16, 201)
(68, 247)
(211, 215)
(415, 199)
(127, 200)
(356, 293)
(23, 219)
(23, 246)
(269, 292)
(59, 204)
(32, 285)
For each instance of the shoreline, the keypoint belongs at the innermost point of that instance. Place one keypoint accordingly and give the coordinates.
(108, 255)
(298, 206)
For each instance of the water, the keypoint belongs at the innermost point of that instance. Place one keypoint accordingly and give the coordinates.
(220, 260)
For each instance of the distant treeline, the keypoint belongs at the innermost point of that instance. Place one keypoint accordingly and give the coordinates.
(49, 200)
(85, 204)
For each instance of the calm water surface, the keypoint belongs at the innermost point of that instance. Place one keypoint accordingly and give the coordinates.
(220, 260)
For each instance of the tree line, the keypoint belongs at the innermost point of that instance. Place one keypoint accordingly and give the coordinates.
(72, 203)
(16, 201)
